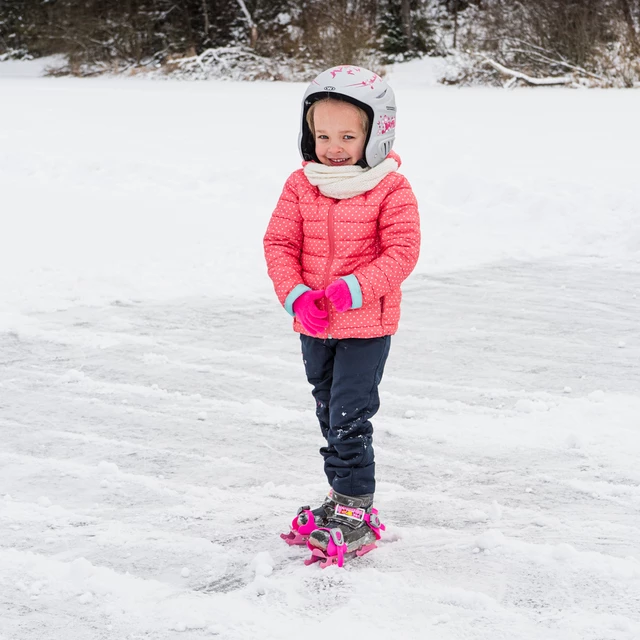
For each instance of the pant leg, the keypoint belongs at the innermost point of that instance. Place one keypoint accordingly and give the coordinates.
(318, 356)
(357, 372)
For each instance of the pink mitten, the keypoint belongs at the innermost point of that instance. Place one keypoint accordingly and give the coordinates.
(339, 294)
(310, 316)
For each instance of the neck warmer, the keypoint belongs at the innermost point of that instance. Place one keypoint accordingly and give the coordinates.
(347, 182)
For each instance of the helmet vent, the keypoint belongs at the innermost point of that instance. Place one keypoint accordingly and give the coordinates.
(381, 95)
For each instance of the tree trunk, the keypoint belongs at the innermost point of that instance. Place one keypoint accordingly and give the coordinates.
(406, 24)
(207, 24)
(250, 22)
(455, 23)
(631, 27)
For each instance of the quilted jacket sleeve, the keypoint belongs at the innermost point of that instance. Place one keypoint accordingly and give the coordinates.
(283, 246)
(399, 235)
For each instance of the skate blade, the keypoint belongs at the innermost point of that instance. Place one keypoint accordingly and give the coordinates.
(366, 548)
(317, 555)
(294, 538)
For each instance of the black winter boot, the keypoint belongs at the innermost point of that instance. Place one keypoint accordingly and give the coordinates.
(349, 523)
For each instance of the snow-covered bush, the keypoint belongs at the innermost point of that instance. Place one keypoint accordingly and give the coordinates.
(547, 42)
(233, 63)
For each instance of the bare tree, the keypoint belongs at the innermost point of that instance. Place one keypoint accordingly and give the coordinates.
(634, 41)
(207, 23)
(407, 27)
(252, 25)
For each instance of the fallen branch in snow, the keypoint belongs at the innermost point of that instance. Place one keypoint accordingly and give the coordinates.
(523, 76)
(561, 63)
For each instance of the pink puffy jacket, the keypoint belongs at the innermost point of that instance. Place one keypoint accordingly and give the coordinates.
(371, 240)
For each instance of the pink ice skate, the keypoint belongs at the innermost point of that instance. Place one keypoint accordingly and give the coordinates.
(337, 547)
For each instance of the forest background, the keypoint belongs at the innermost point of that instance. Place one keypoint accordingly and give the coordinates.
(499, 42)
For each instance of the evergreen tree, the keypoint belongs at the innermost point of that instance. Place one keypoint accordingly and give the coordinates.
(404, 29)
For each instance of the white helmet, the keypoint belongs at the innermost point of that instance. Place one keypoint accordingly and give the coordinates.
(364, 89)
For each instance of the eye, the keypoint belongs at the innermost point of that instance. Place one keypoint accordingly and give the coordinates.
(322, 137)
(349, 137)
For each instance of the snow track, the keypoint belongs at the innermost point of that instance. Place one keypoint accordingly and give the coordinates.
(144, 475)
(156, 430)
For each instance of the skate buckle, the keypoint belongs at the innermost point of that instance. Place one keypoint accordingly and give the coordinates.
(373, 520)
(337, 537)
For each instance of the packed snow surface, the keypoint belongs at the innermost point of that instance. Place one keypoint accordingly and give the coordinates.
(158, 432)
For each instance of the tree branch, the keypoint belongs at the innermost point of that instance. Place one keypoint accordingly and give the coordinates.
(523, 76)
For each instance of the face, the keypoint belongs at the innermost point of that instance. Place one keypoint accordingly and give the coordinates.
(339, 136)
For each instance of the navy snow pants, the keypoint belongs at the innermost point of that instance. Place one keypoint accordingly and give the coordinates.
(345, 375)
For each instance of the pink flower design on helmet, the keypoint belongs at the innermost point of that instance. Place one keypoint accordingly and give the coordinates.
(385, 123)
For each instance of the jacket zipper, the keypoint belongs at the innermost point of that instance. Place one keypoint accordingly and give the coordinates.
(329, 262)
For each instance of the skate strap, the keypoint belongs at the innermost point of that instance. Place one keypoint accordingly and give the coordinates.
(336, 546)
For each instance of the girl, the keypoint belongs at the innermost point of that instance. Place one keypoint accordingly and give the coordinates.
(344, 235)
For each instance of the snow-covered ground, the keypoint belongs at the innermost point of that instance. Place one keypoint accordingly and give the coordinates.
(157, 430)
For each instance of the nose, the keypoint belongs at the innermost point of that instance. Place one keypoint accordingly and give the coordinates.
(335, 147)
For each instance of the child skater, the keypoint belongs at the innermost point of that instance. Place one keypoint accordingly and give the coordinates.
(344, 235)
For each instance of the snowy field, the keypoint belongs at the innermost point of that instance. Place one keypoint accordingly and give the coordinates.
(157, 432)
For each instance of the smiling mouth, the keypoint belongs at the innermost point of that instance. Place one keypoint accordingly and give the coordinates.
(337, 160)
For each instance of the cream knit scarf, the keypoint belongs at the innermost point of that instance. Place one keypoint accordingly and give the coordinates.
(349, 181)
